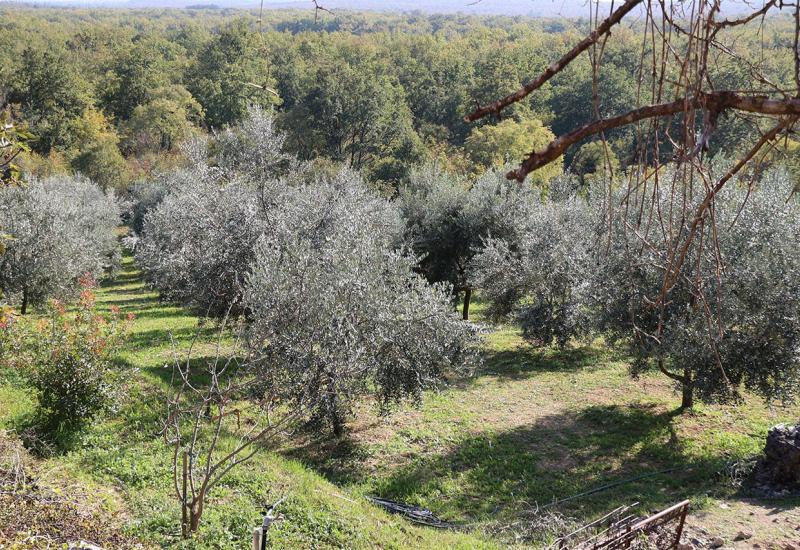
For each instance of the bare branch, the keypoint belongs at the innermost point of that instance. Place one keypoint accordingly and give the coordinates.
(715, 102)
(601, 30)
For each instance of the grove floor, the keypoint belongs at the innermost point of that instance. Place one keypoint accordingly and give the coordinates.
(531, 428)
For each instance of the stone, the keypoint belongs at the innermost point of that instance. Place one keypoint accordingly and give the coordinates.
(780, 467)
(717, 542)
(743, 535)
(686, 546)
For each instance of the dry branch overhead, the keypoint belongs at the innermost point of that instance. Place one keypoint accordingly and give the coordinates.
(714, 102)
(680, 64)
(555, 68)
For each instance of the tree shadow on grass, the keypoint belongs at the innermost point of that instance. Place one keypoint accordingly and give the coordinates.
(522, 360)
(493, 475)
(525, 360)
(158, 337)
(123, 277)
(134, 304)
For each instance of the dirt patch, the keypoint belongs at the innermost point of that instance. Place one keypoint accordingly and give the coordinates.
(38, 513)
(746, 524)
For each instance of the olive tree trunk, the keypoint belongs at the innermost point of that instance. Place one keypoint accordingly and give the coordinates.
(467, 298)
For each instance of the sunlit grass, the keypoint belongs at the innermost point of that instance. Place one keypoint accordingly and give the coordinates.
(531, 427)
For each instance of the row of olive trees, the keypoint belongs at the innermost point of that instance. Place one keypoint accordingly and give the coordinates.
(560, 265)
(314, 264)
(61, 228)
(574, 274)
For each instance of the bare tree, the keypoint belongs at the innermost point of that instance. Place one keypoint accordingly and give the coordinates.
(217, 420)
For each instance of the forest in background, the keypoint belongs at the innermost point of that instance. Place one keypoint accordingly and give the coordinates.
(112, 94)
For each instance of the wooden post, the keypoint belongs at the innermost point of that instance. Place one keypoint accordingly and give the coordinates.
(680, 525)
(257, 535)
(184, 509)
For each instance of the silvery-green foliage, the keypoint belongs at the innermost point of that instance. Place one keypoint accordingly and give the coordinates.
(337, 310)
(143, 197)
(448, 219)
(761, 289)
(254, 149)
(542, 278)
(744, 328)
(62, 228)
(197, 244)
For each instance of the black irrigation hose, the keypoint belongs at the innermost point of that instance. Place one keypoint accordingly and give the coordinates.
(614, 484)
(426, 517)
(414, 513)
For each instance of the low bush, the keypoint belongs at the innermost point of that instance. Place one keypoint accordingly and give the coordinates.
(67, 357)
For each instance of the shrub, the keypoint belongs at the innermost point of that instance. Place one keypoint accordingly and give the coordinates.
(61, 228)
(67, 357)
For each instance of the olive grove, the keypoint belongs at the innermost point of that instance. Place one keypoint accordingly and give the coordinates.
(61, 228)
(316, 266)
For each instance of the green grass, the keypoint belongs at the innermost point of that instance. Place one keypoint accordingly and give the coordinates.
(124, 463)
(532, 427)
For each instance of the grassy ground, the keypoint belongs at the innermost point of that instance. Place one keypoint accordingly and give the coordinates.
(531, 428)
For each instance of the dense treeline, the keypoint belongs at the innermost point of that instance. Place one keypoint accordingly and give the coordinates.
(112, 94)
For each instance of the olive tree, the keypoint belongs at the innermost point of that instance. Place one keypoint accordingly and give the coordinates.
(254, 149)
(543, 279)
(144, 196)
(62, 228)
(196, 242)
(744, 329)
(449, 219)
(337, 309)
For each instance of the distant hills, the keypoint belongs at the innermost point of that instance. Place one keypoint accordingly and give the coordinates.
(534, 8)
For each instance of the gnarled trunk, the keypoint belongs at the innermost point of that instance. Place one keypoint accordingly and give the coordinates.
(333, 413)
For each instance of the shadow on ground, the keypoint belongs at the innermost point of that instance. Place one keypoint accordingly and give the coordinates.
(497, 475)
(523, 360)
